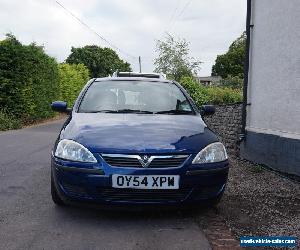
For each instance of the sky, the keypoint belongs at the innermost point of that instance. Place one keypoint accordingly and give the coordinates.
(133, 26)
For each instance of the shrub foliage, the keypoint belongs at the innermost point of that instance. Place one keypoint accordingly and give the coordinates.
(72, 77)
(28, 80)
(8, 121)
(210, 95)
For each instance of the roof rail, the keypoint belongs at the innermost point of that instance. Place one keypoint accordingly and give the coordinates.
(137, 74)
(115, 74)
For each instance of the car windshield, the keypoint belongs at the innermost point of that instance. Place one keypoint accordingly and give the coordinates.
(135, 97)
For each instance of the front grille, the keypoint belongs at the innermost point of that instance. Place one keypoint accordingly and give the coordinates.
(135, 161)
(172, 162)
(139, 195)
(122, 161)
(120, 194)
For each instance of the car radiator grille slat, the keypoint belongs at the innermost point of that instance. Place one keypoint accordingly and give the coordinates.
(112, 194)
(127, 161)
(121, 162)
(138, 195)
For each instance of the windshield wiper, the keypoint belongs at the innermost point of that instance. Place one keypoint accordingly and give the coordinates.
(137, 111)
(102, 111)
(175, 112)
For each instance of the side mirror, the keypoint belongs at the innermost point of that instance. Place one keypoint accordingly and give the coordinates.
(60, 106)
(207, 110)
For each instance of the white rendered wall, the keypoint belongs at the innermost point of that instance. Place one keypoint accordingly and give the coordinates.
(274, 74)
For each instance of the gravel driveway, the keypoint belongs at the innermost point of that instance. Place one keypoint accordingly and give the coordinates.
(259, 202)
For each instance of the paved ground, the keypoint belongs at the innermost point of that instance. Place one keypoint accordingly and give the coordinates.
(29, 219)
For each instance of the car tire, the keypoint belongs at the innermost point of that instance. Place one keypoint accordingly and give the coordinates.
(215, 201)
(54, 194)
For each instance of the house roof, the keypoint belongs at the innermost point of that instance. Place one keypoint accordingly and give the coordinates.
(209, 78)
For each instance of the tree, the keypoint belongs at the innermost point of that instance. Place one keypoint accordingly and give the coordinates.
(28, 80)
(232, 62)
(72, 77)
(174, 60)
(100, 61)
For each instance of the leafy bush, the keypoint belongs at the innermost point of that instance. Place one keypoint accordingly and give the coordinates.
(8, 122)
(210, 95)
(235, 82)
(72, 77)
(28, 80)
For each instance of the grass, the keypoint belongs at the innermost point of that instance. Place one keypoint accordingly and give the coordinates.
(257, 168)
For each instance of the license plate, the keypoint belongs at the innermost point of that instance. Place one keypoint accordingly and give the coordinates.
(145, 181)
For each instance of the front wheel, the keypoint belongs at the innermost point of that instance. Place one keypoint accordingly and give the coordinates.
(54, 194)
(215, 201)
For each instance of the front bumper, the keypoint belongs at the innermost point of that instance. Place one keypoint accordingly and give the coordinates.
(91, 183)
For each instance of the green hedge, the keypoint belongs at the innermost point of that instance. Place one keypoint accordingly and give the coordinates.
(28, 80)
(210, 95)
(8, 121)
(72, 77)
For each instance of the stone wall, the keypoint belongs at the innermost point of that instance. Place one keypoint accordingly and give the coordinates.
(226, 123)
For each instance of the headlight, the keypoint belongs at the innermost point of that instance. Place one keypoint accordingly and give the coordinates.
(71, 150)
(214, 152)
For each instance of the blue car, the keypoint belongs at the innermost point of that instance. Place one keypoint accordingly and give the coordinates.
(136, 139)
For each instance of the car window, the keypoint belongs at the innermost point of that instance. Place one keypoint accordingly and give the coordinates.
(139, 96)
